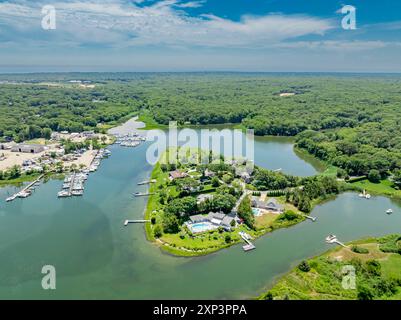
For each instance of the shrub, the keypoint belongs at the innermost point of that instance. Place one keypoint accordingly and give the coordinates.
(374, 176)
(304, 266)
(288, 215)
(360, 250)
(365, 293)
(227, 238)
(157, 231)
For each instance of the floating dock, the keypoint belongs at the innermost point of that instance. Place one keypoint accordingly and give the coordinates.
(249, 245)
(311, 218)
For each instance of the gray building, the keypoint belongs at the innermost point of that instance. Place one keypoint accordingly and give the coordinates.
(28, 148)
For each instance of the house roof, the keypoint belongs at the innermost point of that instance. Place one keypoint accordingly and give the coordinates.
(227, 221)
(177, 174)
(216, 215)
(273, 203)
(198, 218)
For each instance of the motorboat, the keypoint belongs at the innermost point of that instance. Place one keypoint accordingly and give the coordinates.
(389, 211)
(331, 238)
(63, 194)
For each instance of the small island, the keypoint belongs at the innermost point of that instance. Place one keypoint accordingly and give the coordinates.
(196, 209)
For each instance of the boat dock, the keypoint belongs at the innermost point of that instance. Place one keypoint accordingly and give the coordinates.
(143, 194)
(311, 218)
(26, 191)
(146, 182)
(126, 222)
(333, 239)
(249, 245)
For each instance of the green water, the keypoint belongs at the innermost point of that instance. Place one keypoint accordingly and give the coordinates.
(96, 257)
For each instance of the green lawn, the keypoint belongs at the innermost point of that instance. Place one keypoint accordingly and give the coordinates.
(150, 123)
(382, 188)
(391, 267)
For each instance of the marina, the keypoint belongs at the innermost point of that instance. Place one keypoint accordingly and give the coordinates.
(73, 184)
(129, 139)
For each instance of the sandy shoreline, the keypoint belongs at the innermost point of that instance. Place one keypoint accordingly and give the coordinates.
(131, 126)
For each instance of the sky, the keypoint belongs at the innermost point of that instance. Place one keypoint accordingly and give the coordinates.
(199, 35)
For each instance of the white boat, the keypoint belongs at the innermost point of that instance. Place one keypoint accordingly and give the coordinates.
(77, 192)
(331, 238)
(389, 211)
(24, 194)
(63, 194)
(365, 195)
(11, 198)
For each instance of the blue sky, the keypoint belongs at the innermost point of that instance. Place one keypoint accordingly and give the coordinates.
(200, 35)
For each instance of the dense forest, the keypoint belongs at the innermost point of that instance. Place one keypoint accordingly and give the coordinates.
(350, 121)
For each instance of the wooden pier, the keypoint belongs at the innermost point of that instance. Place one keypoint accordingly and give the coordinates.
(146, 182)
(30, 185)
(249, 245)
(311, 218)
(143, 194)
(126, 222)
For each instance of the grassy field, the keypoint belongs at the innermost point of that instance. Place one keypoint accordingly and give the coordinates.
(150, 123)
(324, 279)
(382, 188)
(20, 180)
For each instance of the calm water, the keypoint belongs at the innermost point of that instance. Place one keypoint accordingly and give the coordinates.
(274, 153)
(96, 257)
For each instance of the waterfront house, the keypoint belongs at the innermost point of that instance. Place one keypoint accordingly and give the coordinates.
(214, 219)
(273, 205)
(269, 205)
(177, 174)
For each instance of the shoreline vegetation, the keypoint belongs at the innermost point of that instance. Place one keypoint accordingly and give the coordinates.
(377, 266)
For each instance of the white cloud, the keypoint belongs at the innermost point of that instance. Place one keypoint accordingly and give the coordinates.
(191, 4)
(120, 23)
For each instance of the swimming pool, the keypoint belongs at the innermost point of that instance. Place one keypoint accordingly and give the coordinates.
(201, 227)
